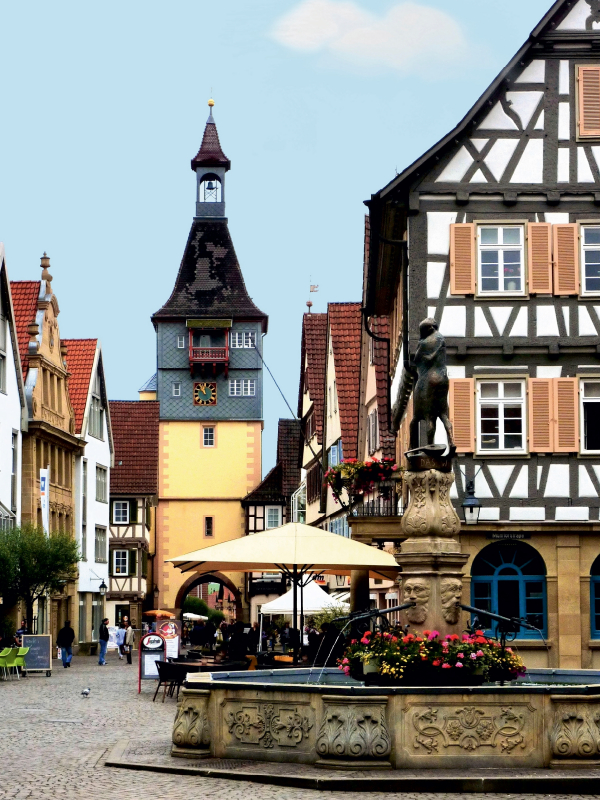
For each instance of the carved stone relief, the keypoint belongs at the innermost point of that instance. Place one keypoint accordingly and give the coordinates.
(417, 590)
(191, 728)
(451, 594)
(576, 732)
(492, 730)
(354, 731)
(268, 725)
(430, 511)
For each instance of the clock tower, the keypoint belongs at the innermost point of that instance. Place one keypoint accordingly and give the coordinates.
(209, 386)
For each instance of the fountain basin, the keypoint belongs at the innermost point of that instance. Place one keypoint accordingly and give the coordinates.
(279, 716)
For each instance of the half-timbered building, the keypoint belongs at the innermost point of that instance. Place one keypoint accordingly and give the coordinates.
(495, 233)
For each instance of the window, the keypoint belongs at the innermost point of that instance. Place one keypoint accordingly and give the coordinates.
(181, 342)
(14, 471)
(101, 484)
(372, 432)
(335, 453)
(82, 616)
(299, 504)
(273, 516)
(84, 478)
(248, 388)
(84, 542)
(313, 483)
(243, 339)
(510, 579)
(2, 353)
(121, 512)
(500, 259)
(120, 562)
(310, 427)
(209, 527)
(176, 389)
(595, 599)
(100, 545)
(339, 525)
(588, 90)
(235, 388)
(590, 259)
(208, 437)
(501, 415)
(239, 388)
(96, 426)
(590, 416)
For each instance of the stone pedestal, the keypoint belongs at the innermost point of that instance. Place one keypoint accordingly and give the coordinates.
(431, 559)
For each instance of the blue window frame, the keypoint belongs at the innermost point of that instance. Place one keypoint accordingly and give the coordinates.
(595, 599)
(510, 579)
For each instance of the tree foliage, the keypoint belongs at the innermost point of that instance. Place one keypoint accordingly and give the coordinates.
(194, 605)
(33, 564)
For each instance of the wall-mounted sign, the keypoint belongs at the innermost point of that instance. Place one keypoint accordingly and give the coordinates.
(503, 536)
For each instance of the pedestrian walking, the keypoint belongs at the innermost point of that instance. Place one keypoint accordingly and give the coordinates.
(120, 639)
(103, 637)
(64, 640)
(128, 641)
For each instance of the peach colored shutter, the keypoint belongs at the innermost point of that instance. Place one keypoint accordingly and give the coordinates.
(566, 259)
(462, 258)
(541, 408)
(566, 415)
(588, 88)
(539, 253)
(462, 413)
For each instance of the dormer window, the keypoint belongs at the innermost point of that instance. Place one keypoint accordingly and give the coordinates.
(209, 189)
(96, 423)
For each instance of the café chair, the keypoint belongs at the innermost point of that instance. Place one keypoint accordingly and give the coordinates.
(20, 660)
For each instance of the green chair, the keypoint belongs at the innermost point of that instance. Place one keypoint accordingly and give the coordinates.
(20, 660)
(7, 661)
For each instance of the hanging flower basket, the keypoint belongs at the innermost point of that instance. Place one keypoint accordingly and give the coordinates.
(360, 477)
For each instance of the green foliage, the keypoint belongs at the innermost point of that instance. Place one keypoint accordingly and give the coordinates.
(33, 565)
(328, 615)
(194, 605)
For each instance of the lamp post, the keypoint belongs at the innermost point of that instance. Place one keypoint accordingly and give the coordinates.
(471, 505)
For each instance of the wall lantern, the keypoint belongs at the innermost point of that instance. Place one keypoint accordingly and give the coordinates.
(471, 505)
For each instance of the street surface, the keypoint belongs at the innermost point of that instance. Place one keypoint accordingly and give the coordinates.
(53, 743)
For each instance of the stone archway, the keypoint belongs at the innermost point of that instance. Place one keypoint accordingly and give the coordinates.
(212, 577)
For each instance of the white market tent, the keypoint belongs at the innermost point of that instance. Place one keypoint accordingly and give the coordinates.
(314, 599)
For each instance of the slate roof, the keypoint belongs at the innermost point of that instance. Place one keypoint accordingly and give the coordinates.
(80, 362)
(387, 441)
(314, 354)
(210, 153)
(288, 451)
(25, 298)
(210, 282)
(151, 384)
(135, 436)
(345, 326)
(268, 490)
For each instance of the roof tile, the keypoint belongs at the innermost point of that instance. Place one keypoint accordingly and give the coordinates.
(345, 325)
(314, 356)
(135, 436)
(25, 298)
(80, 361)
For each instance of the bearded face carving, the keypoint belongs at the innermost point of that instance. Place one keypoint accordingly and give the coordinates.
(417, 590)
(451, 592)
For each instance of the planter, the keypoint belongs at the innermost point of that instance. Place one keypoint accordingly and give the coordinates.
(426, 677)
(372, 667)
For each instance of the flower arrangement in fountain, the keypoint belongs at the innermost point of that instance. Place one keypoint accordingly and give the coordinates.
(359, 477)
(398, 657)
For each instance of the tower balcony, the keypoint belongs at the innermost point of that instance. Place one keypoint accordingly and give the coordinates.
(208, 345)
(211, 357)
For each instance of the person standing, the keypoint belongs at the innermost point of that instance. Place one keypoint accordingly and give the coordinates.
(253, 636)
(103, 637)
(128, 641)
(64, 640)
(120, 639)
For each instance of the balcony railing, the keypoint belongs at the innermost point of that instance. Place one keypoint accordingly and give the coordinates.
(378, 508)
(210, 354)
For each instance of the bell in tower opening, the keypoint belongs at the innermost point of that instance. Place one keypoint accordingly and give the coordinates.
(209, 189)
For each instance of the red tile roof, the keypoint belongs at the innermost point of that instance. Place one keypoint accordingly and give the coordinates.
(80, 361)
(24, 296)
(345, 325)
(381, 327)
(210, 153)
(312, 366)
(135, 436)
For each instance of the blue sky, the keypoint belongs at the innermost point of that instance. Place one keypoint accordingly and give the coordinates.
(318, 103)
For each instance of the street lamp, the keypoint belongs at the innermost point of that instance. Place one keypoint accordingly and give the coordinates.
(471, 505)
(102, 588)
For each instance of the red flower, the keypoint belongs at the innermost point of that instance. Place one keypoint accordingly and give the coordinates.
(436, 663)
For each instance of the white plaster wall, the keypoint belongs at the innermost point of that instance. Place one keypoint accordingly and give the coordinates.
(334, 430)
(10, 420)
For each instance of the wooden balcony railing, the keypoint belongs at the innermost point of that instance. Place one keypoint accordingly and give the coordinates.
(209, 354)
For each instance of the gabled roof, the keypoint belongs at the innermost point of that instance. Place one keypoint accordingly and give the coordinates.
(345, 326)
(210, 282)
(135, 437)
(210, 153)
(268, 490)
(25, 299)
(552, 19)
(312, 366)
(81, 355)
(288, 452)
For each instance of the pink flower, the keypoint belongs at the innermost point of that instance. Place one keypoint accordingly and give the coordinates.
(473, 655)
(433, 635)
(345, 661)
(346, 670)
(460, 655)
(458, 664)
(445, 666)
(364, 641)
(465, 638)
(479, 653)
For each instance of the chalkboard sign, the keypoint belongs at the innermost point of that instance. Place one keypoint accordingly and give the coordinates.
(39, 657)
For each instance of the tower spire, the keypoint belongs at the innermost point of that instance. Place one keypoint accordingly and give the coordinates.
(210, 165)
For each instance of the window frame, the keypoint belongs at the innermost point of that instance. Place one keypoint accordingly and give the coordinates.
(279, 517)
(181, 341)
(205, 429)
(176, 389)
(235, 384)
(3, 350)
(247, 337)
(582, 225)
(114, 514)
(479, 226)
(479, 381)
(206, 525)
(97, 539)
(248, 384)
(115, 573)
(582, 381)
(104, 483)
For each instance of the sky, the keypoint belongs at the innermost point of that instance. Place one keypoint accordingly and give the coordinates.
(317, 102)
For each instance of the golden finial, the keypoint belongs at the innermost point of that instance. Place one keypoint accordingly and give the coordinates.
(211, 102)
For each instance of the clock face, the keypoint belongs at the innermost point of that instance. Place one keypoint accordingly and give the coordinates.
(205, 394)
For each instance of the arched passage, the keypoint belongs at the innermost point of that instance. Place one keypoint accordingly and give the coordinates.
(213, 577)
(510, 579)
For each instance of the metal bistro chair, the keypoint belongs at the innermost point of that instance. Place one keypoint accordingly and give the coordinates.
(171, 676)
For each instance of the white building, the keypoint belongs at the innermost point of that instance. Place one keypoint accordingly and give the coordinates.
(87, 392)
(13, 415)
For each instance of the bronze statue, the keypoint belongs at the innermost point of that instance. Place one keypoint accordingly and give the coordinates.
(430, 393)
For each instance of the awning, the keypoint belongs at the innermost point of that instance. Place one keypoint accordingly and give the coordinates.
(313, 597)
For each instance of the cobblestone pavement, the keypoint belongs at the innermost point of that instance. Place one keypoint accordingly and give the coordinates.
(53, 743)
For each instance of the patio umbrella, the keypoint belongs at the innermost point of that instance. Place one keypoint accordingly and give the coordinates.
(189, 615)
(297, 550)
(159, 614)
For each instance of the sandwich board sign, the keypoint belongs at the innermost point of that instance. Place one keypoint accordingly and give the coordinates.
(152, 649)
(39, 657)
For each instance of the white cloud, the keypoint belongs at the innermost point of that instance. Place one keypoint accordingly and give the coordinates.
(408, 38)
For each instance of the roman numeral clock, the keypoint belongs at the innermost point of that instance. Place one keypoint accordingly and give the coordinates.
(205, 394)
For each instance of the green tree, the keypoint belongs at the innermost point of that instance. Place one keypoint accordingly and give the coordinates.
(33, 565)
(194, 605)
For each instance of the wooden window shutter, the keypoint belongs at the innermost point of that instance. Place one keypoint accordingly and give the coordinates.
(144, 564)
(462, 413)
(539, 256)
(133, 509)
(566, 259)
(541, 415)
(588, 93)
(462, 258)
(566, 415)
(132, 562)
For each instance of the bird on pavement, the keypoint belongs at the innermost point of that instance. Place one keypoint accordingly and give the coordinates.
(86, 692)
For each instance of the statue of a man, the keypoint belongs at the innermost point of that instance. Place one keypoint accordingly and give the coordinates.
(430, 394)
